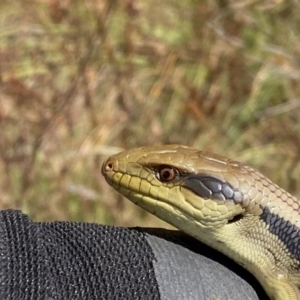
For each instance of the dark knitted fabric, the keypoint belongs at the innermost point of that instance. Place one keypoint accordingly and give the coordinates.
(69, 261)
(64, 260)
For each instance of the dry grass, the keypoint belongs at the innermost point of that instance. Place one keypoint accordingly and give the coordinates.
(81, 80)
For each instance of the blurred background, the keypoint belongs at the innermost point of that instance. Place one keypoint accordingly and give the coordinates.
(83, 79)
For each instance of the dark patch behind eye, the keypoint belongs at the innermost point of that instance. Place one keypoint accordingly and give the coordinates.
(198, 187)
(209, 187)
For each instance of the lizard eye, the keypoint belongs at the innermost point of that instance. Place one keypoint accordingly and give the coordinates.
(166, 173)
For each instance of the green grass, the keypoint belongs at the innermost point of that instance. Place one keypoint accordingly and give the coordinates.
(81, 80)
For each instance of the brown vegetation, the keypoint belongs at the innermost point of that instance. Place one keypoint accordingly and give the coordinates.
(80, 80)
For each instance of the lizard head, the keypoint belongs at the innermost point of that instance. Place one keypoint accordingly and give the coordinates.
(181, 184)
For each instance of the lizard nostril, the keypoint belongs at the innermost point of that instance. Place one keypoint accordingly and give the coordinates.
(108, 166)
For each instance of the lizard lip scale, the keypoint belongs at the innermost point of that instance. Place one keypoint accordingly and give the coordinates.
(223, 203)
